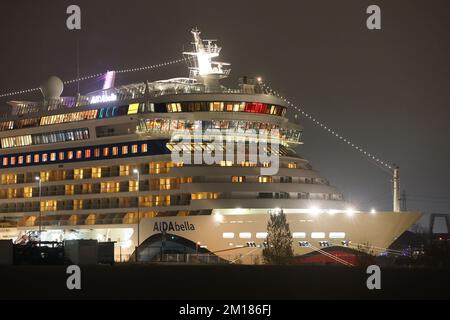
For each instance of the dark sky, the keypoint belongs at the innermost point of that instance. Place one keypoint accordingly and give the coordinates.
(387, 90)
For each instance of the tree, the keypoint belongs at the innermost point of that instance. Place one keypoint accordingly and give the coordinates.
(279, 240)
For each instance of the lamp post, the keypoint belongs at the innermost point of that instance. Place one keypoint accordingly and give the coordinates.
(38, 179)
(136, 172)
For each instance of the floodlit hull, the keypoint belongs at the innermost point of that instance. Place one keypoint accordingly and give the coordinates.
(239, 237)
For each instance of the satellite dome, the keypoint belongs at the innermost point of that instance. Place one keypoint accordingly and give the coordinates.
(52, 88)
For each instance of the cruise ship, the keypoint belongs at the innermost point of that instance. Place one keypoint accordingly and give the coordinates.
(120, 164)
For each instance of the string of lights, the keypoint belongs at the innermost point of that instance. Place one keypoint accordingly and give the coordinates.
(92, 76)
(374, 159)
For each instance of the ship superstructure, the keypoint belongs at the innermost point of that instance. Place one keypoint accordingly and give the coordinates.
(101, 166)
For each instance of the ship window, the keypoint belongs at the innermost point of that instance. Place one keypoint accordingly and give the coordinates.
(248, 164)
(96, 172)
(237, 179)
(226, 163)
(216, 106)
(174, 107)
(245, 235)
(317, 235)
(265, 179)
(261, 235)
(298, 235)
(292, 165)
(228, 235)
(337, 235)
(133, 108)
(124, 170)
(78, 174)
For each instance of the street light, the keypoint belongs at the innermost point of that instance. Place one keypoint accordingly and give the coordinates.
(40, 213)
(136, 172)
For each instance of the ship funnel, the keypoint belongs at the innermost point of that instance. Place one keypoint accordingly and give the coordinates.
(52, 88)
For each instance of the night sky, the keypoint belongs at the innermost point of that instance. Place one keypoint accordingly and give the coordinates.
(387, 90)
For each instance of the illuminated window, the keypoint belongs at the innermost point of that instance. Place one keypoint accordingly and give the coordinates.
(133, 186)
(265, 179)
(90, 220)
(20, 160)
(61, 156)
(53, 156)
(9, 178)
(204, 195)
(248, 164)
(174, 107)
(337, 235)
(44, 176)
(86, 188)
(133, 108)
(134, 148)
(70, 155)
(36, 158)
(124, 149)
(115, 151)
(216, 106)
(105, 151)
(299, 235)
(144, 147)
(5, 161)
(317, 235)
(87, 153)
(226, 163)
(48, 205)
(228, 235)
(261, 235)
(69, 189)
(245, 235)
(78, 204)
(96, 172)
(110, 187)
(237, 179)
(27, 192)
(13, 161)
(28, 158)
(79, 154)
(165, 184)
(97, 152)
(78, 174)
(124, 170)
(292, 165)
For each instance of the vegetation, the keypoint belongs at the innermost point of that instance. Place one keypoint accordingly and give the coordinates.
(279, 240)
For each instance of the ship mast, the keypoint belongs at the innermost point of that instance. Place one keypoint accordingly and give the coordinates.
(203, 68)
(396, 187)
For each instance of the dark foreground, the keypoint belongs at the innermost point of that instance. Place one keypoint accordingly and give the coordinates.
(221, 282)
